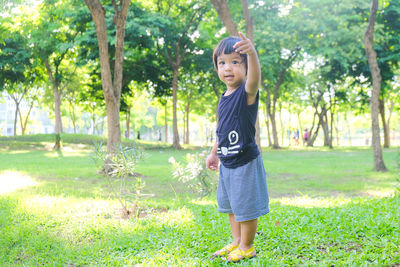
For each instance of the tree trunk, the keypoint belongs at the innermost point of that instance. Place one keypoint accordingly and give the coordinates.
(325, 128)
(74, 125)
(57, 110)
(389, 117)
(111, 88)
(271, 114)
(184, 127)
(267, 124)
(313, 136)
(222, 8)
(128, 122)
(274, 131)
(93, 122)
(337, 130)
(288, 131)
(300, 125)
(379, 165)
(57, 106)
(218, 94)
(187, 109)
(311, 130)
(271, 104)
(166, 122)
(175, 142)
(331, 129)
(73, 116)
(17, 101)
(349, 127)
(386, 131)
(281, 123)
(24, 123)
(16, 118)
(113, 126)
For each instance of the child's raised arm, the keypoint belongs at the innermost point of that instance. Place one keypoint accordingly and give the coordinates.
(245, 46)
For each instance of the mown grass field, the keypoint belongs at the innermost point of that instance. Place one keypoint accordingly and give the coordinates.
(327, 208)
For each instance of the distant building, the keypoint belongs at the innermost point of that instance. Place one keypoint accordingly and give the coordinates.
(39, 121)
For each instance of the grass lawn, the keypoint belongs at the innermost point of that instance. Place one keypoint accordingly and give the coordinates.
(327, 208)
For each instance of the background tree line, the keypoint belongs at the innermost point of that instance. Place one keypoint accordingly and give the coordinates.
(97, 56)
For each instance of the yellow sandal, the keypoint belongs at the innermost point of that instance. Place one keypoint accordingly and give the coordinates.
(225, 250)
(238, 254)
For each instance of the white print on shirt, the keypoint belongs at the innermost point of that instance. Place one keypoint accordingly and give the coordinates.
(233, 138)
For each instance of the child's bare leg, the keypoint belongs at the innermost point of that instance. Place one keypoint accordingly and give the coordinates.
(248, 231)
(235, 228)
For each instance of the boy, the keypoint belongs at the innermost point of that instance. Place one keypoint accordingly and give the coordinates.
(242, 187)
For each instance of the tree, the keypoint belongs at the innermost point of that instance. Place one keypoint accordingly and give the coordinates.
(111, 86)
(15, 65)
(92, 98)
(331, 49)
(281, 40)
(178, 22)
(388, 53)
(379, 165)
(142, 68)
(53, 41)
(387, 48)
(141, 64)
(74, 95)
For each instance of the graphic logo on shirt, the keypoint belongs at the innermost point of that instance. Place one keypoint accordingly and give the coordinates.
(233, 138)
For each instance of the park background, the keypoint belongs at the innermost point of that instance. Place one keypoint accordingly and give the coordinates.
(69, 69)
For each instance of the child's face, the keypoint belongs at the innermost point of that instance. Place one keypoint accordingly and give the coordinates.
(231, 70)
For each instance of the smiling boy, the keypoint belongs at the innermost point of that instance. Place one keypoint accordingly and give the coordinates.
(242, 187)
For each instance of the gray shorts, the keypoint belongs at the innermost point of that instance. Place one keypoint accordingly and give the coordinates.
(243, 190)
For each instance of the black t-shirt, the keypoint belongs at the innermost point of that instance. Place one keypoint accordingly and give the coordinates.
(236, 129)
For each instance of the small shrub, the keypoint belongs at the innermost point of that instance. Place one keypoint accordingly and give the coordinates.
(194, 173)
(117, 168)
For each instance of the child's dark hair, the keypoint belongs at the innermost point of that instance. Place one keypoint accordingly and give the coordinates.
(225, 46)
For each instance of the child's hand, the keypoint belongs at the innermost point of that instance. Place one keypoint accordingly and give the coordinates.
(244, 46)
(212, 162)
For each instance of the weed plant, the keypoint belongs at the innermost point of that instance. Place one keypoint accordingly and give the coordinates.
(117, 167)
(194, 174)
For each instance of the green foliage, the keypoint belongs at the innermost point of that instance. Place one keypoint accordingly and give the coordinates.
(194, 174)
(14, 60)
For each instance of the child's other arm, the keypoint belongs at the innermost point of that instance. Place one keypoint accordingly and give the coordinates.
(212, 160)
(245, 46)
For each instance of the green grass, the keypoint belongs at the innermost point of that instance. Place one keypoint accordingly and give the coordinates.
(327, 208)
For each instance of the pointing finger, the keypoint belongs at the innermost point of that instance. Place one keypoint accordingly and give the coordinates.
(240, 43)
(242, 36)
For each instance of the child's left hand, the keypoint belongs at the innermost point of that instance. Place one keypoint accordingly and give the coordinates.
(245, 46)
